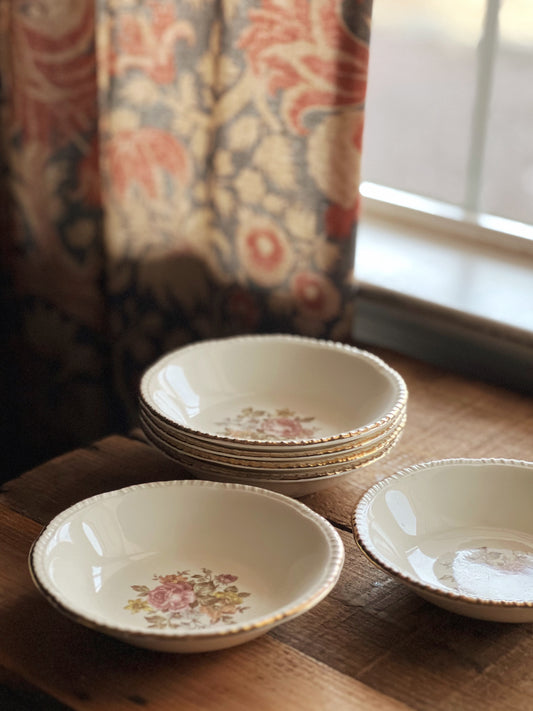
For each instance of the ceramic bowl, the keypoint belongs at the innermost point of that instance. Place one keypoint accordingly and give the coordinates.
(235, 471)
(271, 449)
(459, 532)
(268, 391)
(186, 566)
(285, 455)
(304, 487)
(233, 466)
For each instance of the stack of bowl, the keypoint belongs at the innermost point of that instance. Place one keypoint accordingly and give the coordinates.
(287, 413)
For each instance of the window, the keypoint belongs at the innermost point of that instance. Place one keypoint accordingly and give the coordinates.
(450, 104)
(446, 237)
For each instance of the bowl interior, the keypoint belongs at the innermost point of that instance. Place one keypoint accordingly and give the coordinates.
(271, 388)
(464, 527)
(187, 557)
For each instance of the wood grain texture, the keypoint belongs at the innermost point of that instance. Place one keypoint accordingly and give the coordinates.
(371, 644)
(108, 464)
(374, 629)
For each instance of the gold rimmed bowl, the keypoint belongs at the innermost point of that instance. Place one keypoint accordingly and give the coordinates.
(459, 532)
(271, 450)
(206, 463)
(273, 393)
(186, 566)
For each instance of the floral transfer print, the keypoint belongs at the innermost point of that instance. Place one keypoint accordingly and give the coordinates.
(250, 423)
(189, 600)
(487, 572)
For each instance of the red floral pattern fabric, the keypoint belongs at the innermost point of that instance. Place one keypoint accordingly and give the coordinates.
(176, 171)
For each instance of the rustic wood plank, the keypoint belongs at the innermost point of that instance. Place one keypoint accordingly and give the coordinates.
(449, 678)
(371, 631)
(110, 463)
(86, 670)
(376, 630)
(16, 694)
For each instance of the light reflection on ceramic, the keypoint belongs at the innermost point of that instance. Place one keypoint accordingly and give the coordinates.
(96, 572)
(493, 573)
(459, 532)
(186, 566)
(347, 391)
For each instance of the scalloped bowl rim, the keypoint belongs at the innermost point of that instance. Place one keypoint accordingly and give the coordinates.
(395, 380)
(275, 473)
(362, 537)
(328, 579)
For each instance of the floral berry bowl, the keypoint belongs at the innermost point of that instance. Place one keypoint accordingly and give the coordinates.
(269, 392)
(186, 566)
(459, 532)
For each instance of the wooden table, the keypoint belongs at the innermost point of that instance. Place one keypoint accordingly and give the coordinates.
(371, 644)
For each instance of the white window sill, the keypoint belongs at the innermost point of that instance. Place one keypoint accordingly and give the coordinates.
(435, 295)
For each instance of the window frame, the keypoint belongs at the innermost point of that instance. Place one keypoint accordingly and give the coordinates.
(397, 309)
(417, 319)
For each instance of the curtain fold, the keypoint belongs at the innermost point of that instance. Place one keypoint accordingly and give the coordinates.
(56, 351)
(175, 170)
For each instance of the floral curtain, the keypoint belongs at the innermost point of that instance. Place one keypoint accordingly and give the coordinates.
(173, 170)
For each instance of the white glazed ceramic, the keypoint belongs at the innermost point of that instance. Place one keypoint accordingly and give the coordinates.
(459, 532)
(303, 487)
(301, 465)
(235, 471)
(269, 449)
(273, 391)
(186, 566)
(267, 460)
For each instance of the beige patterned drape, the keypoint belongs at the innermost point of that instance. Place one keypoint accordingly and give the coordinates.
(174, 170)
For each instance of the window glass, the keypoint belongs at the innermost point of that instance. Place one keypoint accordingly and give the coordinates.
(507, 188)
(421, 90)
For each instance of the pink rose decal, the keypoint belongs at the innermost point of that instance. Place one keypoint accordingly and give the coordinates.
(171, 597)
(284, 428)
(283, 423)
(189, 600)
(226, 578)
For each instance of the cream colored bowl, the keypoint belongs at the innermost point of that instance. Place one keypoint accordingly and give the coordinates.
(268, 459)
(271, 391)
(303, 486)
(459, 532)
(273, 469)
(186, 566)
(271, 449)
